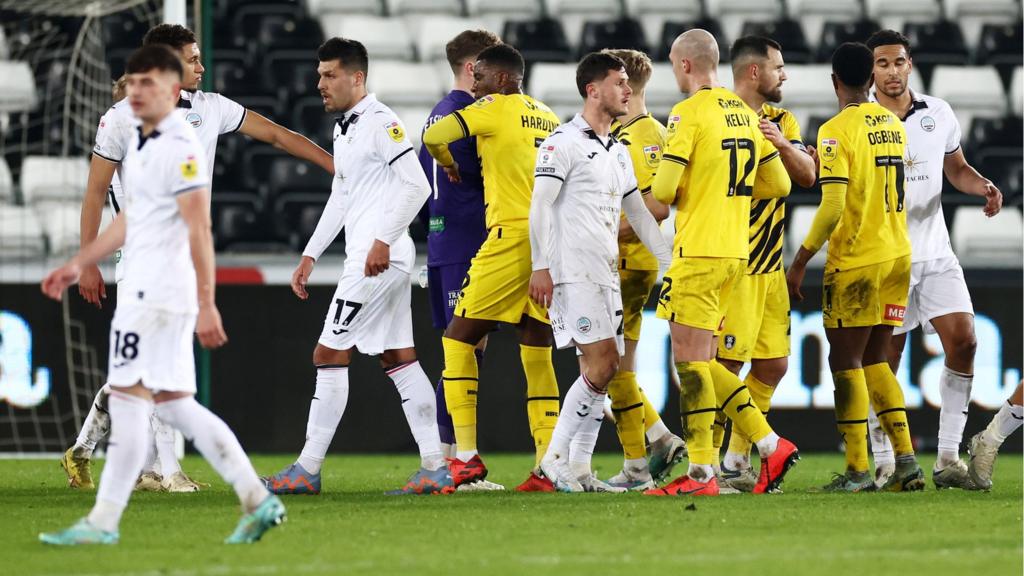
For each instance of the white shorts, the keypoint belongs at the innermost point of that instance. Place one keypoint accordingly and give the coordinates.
(584, 313)
(153, 347)
(937, 288)
(371, 314)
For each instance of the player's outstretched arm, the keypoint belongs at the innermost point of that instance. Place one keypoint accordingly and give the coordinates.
(264, 130)
(833, 200)
(104, 245)
(646, 227)
(966, 179)
(101, 172)
(194, 206)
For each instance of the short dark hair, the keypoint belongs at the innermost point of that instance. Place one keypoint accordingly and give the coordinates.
(752, 46)
(350, 54)
(505, 57)
(160, 57)
(174, 35)
(468, 44)
(853, 63)
(888, 38)
(595, 67)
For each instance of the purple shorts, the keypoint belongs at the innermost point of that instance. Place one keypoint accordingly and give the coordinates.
(445, 283)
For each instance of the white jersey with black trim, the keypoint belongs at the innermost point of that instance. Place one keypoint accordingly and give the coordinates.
(158, 168)
(933, 132)
(596, 175)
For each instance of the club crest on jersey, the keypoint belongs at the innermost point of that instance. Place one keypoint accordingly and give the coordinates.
(189, 168)
(928, 123)
(729, 341)
(829, 149)
(651, 155)
(895, 313)
(194, 119)
(395, 131)
(583, 325)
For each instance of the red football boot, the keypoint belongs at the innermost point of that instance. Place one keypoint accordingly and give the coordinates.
(467, 472)
(536, 483)
(774, 467)
(686, 486)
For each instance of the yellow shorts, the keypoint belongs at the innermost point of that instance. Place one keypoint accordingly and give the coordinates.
(497, 285)
(636, 286)
(866, 296)
(694, 289)
(756, 319)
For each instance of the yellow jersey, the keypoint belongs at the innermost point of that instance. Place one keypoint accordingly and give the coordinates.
(509, 129)
(644, 137)
(768, 217)
(714, 139)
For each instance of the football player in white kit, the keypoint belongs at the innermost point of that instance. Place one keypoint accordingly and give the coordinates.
(939, 301)
(378, 189)
(167, 295)
(211, 115)
(584, 179)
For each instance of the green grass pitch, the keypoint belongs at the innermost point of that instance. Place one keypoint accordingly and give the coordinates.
(354, 529)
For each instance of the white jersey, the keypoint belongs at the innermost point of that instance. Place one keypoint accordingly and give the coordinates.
(368, 139)
(932, 133)
(596, 174)
(158, 168)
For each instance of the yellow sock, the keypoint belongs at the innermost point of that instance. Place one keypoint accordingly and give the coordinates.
(762, 395)
(852, 416)
(628, 407)
(737, 404)
(887, 398)
(461, 382)
(718, 435)
(651, 416)
(541, 395)
(697, 409)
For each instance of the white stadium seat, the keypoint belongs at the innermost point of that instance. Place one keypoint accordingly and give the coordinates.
(21, 236)
(384, 38)
(574, 13)
(970, 90)
(809, 88)
(431, 34)
(800, 220)
(814, 13)
(61, 223)
(6, 183)
(404, 7)
(653, 14)
(1017, 91)
(399, 84)
(971, 15)
(555, 85)
(507, 8)
(893, 14)
(733, 13)
(663, 92)
(53, 178)
(982, 241)
(322, 7)
(413, 118)
(17, 87)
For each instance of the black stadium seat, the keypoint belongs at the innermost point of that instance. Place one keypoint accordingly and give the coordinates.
(936, 43)
(288, 72)
(267, 106)
(233, 77)
(247, 22)
(295, 219)
(1005, 170)
(285, 31)
(540, 40)
(289, 175)
(672, 29)
(788, 33)
(256, 161)
(835, 33)
(123, 30)
(1000, 46)
(624, 33)
(311, 120)
(237, 217)
(995, 135)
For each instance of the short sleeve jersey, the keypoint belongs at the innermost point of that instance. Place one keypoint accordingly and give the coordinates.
(768, 216)
(596, 174)
(160, 167)
(714, 134)
(644, 137)
(509, 128)
(863, 147)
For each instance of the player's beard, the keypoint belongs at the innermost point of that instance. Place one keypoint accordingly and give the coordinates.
(894, 92)
(773, 94)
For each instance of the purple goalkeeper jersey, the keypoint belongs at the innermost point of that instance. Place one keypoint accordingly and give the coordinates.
(454, 213)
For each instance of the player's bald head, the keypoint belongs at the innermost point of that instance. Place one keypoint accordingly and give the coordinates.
(697, 46)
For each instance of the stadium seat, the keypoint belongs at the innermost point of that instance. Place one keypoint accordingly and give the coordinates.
(61, 222)
(673, 29)
(835, 33)
(267, 106)
(893, 15)
(228, 173)
(289, 32)
(995, 134)
(5, 52)
(53, 178)
(809, 87)
(311, 120)
(663, 92)
(541, 40)
(507, 8)
(939, 42)
(123, 30)
(789, 34)
(1005, 168)
(574, 13)
(653, 14)
(973, 15)
(288, 174)
(406, 84)
(970, 91)
(384, 38)
(553, 85)
(17, 87)
(21, 234)
(431, 33)
(256, 162)
(289, 73)
(407, 7)
(323, 7)
(1017, 92)
(809, 129)
(238, 217)
(295, 219)
(814, 13)
(232, 77)
(798, 224)
(6, 183)
(1000, 45)
(733, 13)
(982, 241)
(116, 60)
(622, 33)
(413, 118)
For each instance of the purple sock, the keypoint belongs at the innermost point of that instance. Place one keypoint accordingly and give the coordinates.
(444, 419)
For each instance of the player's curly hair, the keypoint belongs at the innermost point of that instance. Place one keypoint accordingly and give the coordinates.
(467, 45)
(594, 67)
(174, 35)
(506, 57)
(638, 66)
(853, 64)
(888, 38)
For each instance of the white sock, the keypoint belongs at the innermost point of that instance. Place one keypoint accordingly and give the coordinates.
(218, 445)
(881, 447)
(96, 425)
(636, 468)
(164, 438)
(325, 411)
(657, 431)
(578, 406)
(766, 446)
(126, 453)
(736, 461)
(151, 464)
(701, 472)
(581, 449)
(465, 455)
(1004, 423)
(420, 405)
(955, 391)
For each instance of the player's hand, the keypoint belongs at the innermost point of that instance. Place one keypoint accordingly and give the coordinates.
(626, 232)
(378, 259)
(814, 154)
(541, 287)
(993, 199)
(209, 327)
(772, 133)
(453, 172)
(794, 278)
(301, 276)
(57, 280)
(91, 286)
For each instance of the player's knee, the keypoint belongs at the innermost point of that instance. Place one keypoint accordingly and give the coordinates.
(771, 372)
(964, 345)
(733, 366)
(323, 356)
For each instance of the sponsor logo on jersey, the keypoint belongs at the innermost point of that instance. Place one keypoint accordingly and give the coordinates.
(547, 155)
(829, 149)
(484, 101)
(895, 313)
(194, 119)
(622, 161)
(584, 325)
(189, 168)
(395, 131)
(652, 154)
(928, 123)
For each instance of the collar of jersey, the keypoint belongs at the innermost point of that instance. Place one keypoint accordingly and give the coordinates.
(162, 127)
(581, 123)
(185, 99)
(916, 103)
(359, 108)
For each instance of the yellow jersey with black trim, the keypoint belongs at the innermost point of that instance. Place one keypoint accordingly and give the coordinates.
(768, 217)
(509, 128)
(715, 136)
(644, 137)
(863, 148)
